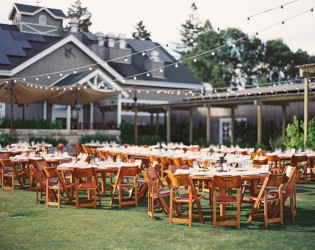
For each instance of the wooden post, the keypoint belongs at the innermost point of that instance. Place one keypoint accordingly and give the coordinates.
(151, 119)
(232, 125)
(168, 125)
(208, 123)
(103, 119)
(136, 117)
(157, 123)
(284, 120)
(259, 124)
(78, 109)
(11, 125)
(191, 125)
(306, 100)
(91, 116)
(23, 116)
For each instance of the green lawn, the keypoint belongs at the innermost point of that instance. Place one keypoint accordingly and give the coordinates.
(129, 227)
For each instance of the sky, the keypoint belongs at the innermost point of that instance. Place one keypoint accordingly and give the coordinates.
(163, 18)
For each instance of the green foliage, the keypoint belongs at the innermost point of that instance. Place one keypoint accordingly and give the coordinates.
(202, 142)
(141, 32)
(250, 62)
(7, 139)
(148, 139)
(278, 142)
(295, 134)
(127, 132)
(98, 137)
(49, 139)
(34, 123)
(83, 15)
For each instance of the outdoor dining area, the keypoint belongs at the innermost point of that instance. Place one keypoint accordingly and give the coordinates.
(177, 183)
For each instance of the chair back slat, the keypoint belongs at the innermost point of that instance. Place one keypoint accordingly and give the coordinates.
(50, 172)
(84, 172)
(129, 171)
(179, 179)
(275, 180)
(296, 159)
(227, 181)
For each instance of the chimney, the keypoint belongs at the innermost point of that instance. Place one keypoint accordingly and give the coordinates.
(121, 43)
(74, 24)
(154, 62)
(110, 40)
(100, 38)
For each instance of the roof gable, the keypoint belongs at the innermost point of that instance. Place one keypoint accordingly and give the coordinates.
(33, 10)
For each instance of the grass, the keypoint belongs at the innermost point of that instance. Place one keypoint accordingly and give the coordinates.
(129, 227)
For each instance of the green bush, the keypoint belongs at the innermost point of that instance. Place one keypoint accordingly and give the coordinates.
(7, 139)
(295, 134)
(34, 123)
(50, 140)
(278, 142)
(98, 137)
(202, 142)
(127, 132)
(148, 139)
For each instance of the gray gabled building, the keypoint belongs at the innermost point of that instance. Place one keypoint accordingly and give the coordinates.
(36, 49)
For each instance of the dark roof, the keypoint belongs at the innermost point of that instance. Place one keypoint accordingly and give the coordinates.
(72, 79)
(17, 47)
(32, 9)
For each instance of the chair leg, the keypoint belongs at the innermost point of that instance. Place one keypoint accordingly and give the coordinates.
(171, 207)
(266, 211)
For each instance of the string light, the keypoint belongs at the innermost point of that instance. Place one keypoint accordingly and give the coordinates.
(139, 91)
(36, 78)
(218, 30)
(143, 53)
(48, 76)
(176, 65)
(195, 59)
(282, 24)
(256, 35)
(15, 80)
(148, 91)
(90, 68)
(248, 19)
(75, 71)
(161, 70)
(60, 73)
(126, 59)
(191, 40)
(213, 53)
(148, 75)
(24, 79)
(134, 78)
(233, 45)
(124, 80)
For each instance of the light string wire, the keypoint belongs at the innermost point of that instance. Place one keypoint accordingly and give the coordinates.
(166, 66)
(141, 52)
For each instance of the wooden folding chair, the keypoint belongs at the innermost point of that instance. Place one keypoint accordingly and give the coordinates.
(132, 173)
(9, 174)
(156, 192)
(189, 198)
(60, 186)
(289, 191)
(224, 183)
(275, 163)
(264, 198)
(91, 186)
(300, 162)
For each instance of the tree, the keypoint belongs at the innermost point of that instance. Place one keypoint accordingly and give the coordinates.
(83, 15)
(191, 29)
(141, 32)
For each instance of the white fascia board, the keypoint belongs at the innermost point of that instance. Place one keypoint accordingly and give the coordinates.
(56, 46)
(35, 12)
(144, 101)
(157, 84)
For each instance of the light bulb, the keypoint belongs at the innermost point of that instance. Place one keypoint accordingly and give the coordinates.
(233, 45)
(90, 68)
(282, 24)
(60, 74)
(126, 59)
(218, 30)
(123, 80)
(143, 53)
(256, 35)
(148, 75)
(148, 91)
(191, 40)
(36, 78)
(176, 65)
(48, 76)
(213, 53)
(195, 59)
(248, 19)
(75, 71)
(139, 91)
(24, 79)
(134, 78)
(28, 84)
(161, 70)
(41, 87)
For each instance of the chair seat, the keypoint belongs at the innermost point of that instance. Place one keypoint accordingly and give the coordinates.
(226, 198)
(254, 197)
(86, 185)
(246, 185)
(163, 193)
(275, 191)
(140, 180)
(127, 185)
(185, 197)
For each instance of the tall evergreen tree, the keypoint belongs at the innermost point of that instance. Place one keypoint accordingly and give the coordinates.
(141, 32)
(83, 15)
(191, 29)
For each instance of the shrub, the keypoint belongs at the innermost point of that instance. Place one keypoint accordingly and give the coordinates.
(50, 140)
(7, 139)
(278, 142)
(98, 137)
(34, 123)
(148, 139)
(127, 133)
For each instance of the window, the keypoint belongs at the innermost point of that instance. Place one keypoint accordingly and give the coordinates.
(225, 128)
(42, 20)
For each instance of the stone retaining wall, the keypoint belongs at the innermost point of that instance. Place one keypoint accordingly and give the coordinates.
(72, 136)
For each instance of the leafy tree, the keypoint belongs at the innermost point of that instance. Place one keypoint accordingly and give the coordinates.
(191, 29)
(83, 15)
(141, 32)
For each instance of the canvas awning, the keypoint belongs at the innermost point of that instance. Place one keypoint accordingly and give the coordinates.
(68, 95)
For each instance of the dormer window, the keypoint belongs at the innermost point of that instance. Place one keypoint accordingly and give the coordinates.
(42, 20)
